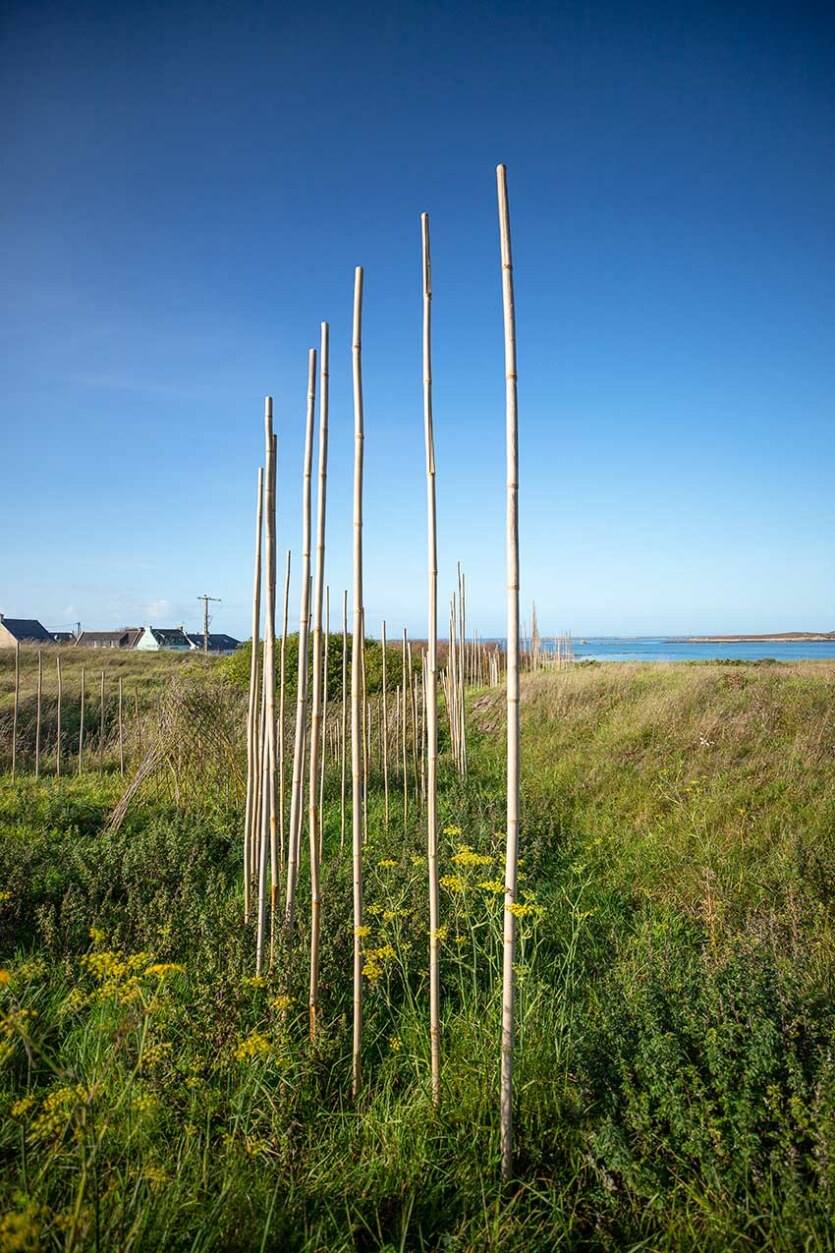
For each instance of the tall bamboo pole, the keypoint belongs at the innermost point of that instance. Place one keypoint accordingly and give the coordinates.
(16, 705)
(300, 745)
(38, 717)
(365, 738)
(267, 806)
(513, 797)
(81, 722)
(252, 754)
(431, 678)
(385, 733)
(316, 705)
(282, 705)
(356, 688)
(344, 746)
(270, 719)
(58, 727)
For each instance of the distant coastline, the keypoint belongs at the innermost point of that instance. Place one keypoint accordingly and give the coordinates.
(784, 637)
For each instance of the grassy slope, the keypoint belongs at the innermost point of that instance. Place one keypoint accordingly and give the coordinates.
(676, 1081)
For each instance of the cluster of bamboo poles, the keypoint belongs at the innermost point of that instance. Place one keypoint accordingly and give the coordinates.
(74, 757)
(272, 848)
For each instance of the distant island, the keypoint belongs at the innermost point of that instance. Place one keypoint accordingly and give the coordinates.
(783, 637)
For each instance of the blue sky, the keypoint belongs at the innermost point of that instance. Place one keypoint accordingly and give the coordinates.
(187, 188)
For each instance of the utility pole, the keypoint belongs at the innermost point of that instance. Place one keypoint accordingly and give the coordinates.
(205, 600)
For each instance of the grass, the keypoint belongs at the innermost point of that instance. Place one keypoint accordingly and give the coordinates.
(676, 1078)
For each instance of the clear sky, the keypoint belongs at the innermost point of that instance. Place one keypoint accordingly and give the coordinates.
(186, 189)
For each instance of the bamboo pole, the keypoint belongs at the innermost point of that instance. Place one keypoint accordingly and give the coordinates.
(101, 725)
(16, 706)
(300, 744)
(252, 712)
(365, 739)
(404, 705)
(316, 706)
(267, 806)
(282, 705)
(323, 766)
(121, 732)
(356, 692)
(414, 713)
(385, 734)
(344, 748)
(58, 727)
(81, 723)
(462, 668)
(38, 716)
(513, 795)
(431, 688)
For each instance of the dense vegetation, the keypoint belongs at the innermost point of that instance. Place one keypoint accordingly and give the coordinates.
(676, 1083)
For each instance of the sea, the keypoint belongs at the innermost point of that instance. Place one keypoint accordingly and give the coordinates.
(671, 648)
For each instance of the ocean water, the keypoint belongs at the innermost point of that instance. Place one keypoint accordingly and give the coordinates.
(667, 648)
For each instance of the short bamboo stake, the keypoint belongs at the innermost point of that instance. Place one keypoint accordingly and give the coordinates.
(101, 725)
(81, 722)
(365, 740)
(121, 732)
(344, 745)
(404, 704)
(282, 706)
(323, 763)
(16, 706)
(356, 692)
(300, 745)
(431, 682)
(316, 705)
(385, 731)
(513, 795)
(38, 716)
(252, 755)
(58, 727)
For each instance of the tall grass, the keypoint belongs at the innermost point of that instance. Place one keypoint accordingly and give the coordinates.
(675, 972)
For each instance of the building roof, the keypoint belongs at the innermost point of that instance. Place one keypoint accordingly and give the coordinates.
(170, 635)
(218, 643)
(124, 638)
(26, 630)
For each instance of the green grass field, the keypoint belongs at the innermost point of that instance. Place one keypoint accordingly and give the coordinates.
(676, 1071)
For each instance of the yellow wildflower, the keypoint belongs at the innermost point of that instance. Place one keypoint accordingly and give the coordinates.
(255, 981)
(4, 977)
(22, 1106)
(520, 910)
(362, 932)
(492, 885)
(20, 1230)
(5, 896)
(452, 831)
(253, 1047)
(453, 882)
(466, 857)
(440, 934)
(96, 935)
(282, 1002)
(395, 1043)
(387, 861)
